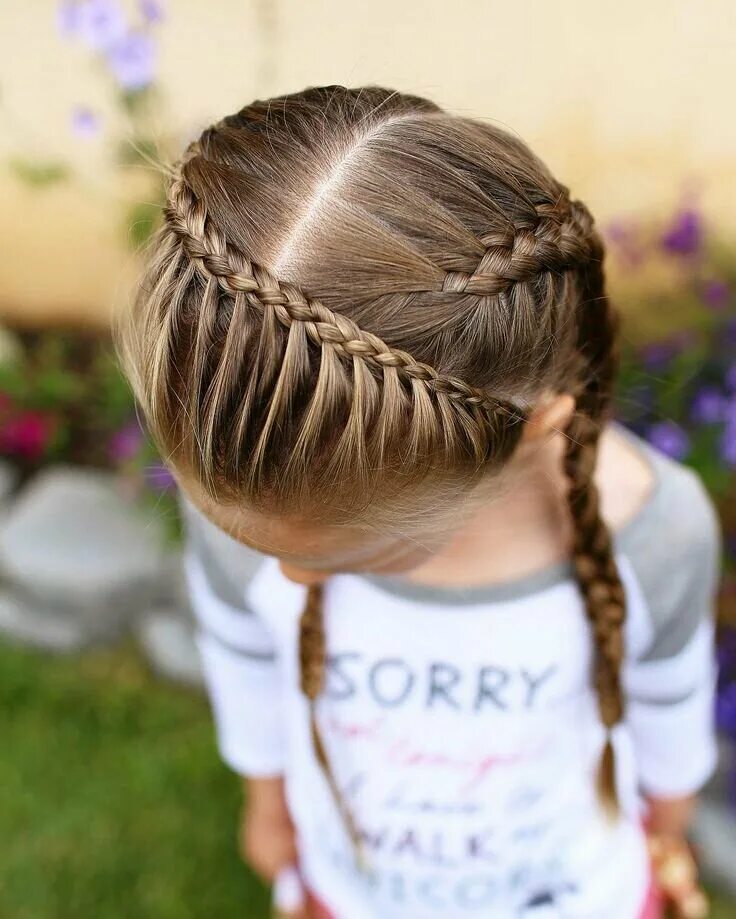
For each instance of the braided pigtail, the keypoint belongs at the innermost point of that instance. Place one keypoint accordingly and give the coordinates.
(312, 663)
(592, 550)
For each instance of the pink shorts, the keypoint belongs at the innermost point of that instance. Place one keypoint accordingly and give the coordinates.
(653, 907)
(317, 909)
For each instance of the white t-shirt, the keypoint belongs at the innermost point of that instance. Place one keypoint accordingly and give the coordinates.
(461, 725)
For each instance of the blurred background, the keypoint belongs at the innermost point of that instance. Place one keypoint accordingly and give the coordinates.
(112, 799)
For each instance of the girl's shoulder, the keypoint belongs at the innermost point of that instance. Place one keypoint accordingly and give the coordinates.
(672, 506)
(673, 543)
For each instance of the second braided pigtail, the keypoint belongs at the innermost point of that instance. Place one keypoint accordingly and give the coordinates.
(592, 549)
(597, 576)
(312, 666)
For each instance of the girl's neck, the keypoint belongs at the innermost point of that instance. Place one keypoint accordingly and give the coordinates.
(526, 528)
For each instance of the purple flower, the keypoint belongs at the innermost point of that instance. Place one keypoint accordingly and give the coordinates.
(726, 710)
(658, 354)
(639, 398)
(85, 123)
(730, 378)
(708, 406)
(623, 237)
(726, 655)
(619, 231)
(133, 61)
(102, 23)
(159, 477)
(728, 445)
(729, 412)
(125, 443)
(715, 294)
(67, 18)
(670, 439)
(152, 10)
(684, 236)
(731, 786)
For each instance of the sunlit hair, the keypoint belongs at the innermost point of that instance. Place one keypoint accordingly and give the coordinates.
(353, 302)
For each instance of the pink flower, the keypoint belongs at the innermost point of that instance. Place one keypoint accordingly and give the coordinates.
(27, 435)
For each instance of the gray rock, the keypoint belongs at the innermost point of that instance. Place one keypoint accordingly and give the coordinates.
(718, 785)
(78, 560)
(73, 547)
(8, 481)
(167, 638)
(173, 586)
(714, 835)
(29, 625)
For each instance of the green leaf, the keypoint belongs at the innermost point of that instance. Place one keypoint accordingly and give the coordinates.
(136, 150)
(142, 219)
(134, 101)
(13, 382)
(111, 397)
(39, 174)
(56, 386)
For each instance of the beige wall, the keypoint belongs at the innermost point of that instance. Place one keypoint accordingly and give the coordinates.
(630, 102)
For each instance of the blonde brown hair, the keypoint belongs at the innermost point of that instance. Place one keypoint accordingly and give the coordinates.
(356, 296)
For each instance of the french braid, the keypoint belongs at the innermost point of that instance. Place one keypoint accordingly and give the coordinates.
(412, 357)
(442, 407)
(239, 275)
(592, 550)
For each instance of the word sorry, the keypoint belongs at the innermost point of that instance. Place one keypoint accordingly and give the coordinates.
(392, 682)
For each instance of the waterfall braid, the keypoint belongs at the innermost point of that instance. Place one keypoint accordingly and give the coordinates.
(353, 302)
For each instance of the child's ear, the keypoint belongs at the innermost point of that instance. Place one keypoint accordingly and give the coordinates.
(552, 414)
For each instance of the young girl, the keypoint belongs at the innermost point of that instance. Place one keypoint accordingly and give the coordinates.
(476, 670)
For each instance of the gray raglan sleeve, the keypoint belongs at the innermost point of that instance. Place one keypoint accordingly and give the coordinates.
(675, 550)
(237, 650)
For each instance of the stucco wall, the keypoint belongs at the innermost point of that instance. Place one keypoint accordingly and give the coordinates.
(630, 102)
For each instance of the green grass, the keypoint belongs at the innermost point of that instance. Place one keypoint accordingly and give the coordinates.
(112, 800)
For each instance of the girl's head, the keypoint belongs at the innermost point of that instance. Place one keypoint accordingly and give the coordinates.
(355, 304)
